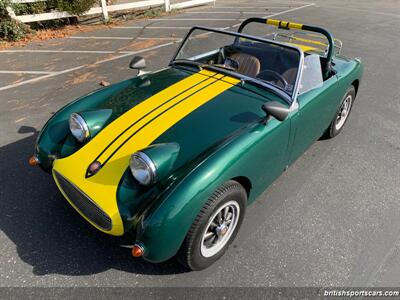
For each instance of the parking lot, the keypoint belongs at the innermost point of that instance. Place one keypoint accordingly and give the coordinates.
(333, 219)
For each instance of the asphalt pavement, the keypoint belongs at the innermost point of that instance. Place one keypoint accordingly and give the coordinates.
(333, 218)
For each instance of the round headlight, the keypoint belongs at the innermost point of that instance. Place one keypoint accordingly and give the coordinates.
(143, 168)
(78, 127)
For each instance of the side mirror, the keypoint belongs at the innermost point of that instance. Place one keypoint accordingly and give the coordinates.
(275, 109)
(137, 63)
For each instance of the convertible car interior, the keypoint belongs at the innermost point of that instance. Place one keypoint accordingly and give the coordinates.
(269, 62)
(276, 64)
(274, 60)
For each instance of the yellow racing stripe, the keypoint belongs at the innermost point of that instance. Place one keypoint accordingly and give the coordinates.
(102, 187)
(107, 137)
(156, 112)
(304, 48)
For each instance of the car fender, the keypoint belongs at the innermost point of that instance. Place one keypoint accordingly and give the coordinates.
(55, 137)
(349, 72)
(163, 227)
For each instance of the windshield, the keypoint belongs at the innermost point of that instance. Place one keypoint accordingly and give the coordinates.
(265, 61)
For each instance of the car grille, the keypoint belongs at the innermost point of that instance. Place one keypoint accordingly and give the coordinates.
(84, 204)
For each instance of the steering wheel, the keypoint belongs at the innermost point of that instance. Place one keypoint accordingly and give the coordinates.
(274, 74)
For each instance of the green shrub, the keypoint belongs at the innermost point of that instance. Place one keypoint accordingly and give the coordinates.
(74, 7)
(10, 30)
(3, 11)
(30, 8)
(153, 12)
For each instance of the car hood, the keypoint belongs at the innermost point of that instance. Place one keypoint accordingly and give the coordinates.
(195, 110)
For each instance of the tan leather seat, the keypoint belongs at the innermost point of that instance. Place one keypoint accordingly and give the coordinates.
(249, 65)
(290, 75)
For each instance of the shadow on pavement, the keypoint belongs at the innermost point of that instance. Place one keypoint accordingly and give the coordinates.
(47, 232)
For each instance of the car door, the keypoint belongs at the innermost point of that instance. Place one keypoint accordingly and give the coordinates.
(263, 154)
(316, 105)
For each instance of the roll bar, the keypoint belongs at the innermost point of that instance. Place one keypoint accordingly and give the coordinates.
(290, 25)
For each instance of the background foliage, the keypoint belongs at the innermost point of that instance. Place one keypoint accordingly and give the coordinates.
(74, 7)
(11, 30)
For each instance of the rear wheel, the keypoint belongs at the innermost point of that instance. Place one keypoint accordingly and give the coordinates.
(215, 227)
(342, 114)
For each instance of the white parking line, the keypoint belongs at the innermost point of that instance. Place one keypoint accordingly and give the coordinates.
(277, 2)
(361, 10)
(197, 19)
(39, 78)
(278, 13)
(160, 27)
(272, 4)
(26, 72)
(112, 58)
(82, 66)
(101, 37)
(123, 38)
(159, 38)
(61, 51)
(133, 52)
(156, 47)
(226, 12)
(290, 10)
(252, 7)
(153, 27)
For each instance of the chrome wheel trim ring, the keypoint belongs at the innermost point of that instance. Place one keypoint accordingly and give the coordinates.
(343, 112)
(219, 229)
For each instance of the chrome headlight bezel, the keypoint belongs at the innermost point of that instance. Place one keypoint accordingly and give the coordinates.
(148, 168)
(78, 127)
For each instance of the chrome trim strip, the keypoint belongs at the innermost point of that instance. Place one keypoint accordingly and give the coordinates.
(294, 107)
(203, 54)
(297, 85)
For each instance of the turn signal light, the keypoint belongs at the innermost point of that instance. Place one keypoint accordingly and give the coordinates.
(33, 161)
(94, 167)
(137, 250)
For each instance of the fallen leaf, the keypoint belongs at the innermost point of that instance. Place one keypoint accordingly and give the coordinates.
(104, 83)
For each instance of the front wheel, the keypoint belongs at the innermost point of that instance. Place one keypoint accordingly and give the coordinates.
(342, 114)
(215, 227)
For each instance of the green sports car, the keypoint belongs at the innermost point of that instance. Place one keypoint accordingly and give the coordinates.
(170, 159)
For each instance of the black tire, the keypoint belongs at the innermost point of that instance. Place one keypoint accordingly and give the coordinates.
(333, 129)
(190, 254)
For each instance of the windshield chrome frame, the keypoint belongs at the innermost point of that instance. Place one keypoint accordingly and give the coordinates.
(293, 103)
